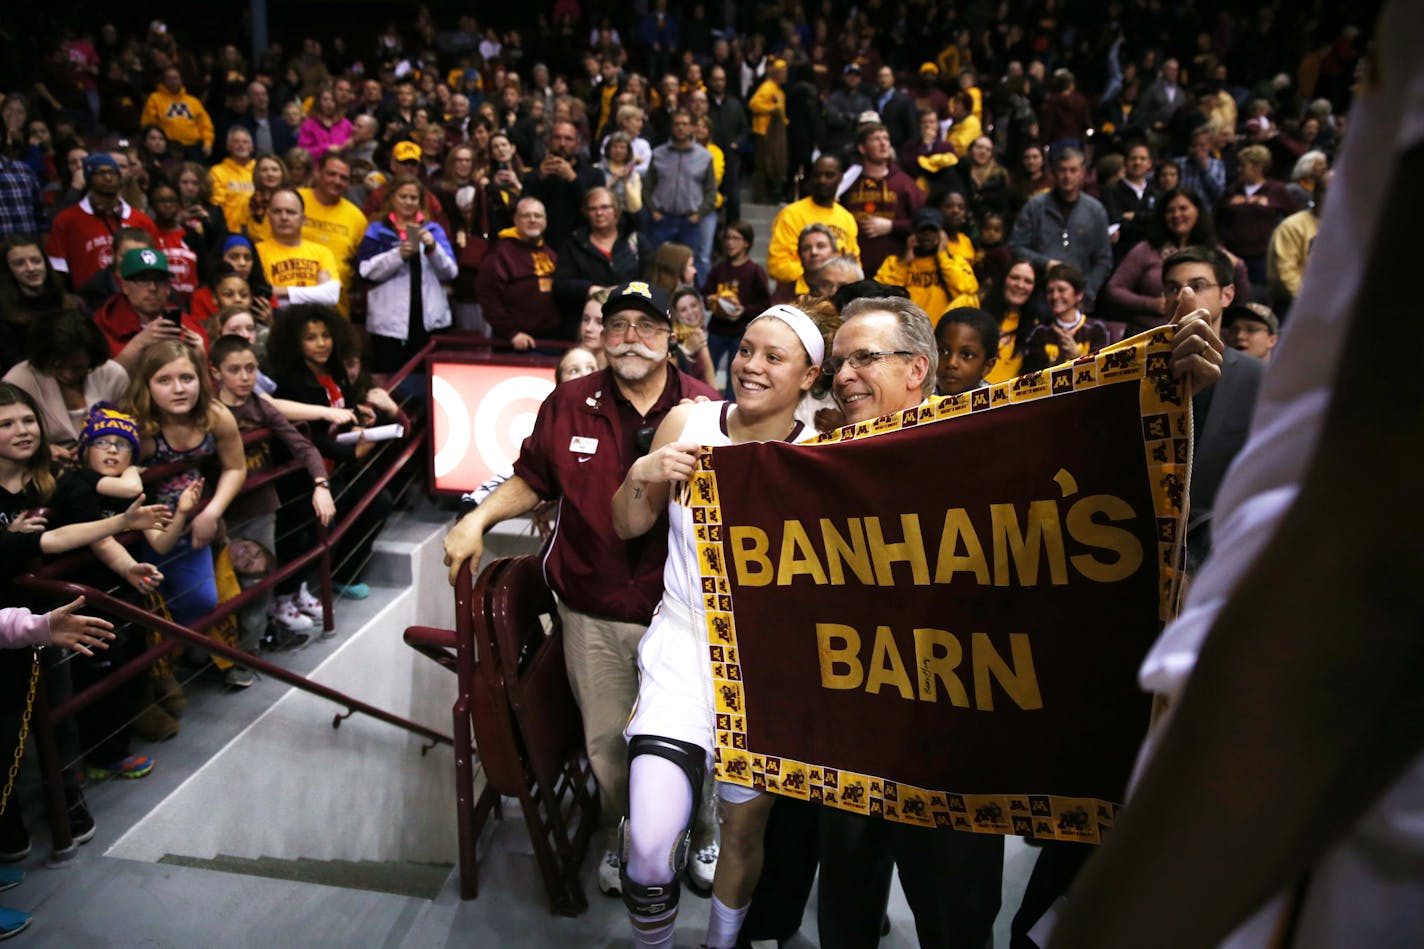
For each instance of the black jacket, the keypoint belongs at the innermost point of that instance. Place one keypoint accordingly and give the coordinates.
(1221, 432)
(581, 265)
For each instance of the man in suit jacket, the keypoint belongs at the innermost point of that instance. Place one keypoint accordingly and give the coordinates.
(1194, 278)
(897, 112)
(1162, 99)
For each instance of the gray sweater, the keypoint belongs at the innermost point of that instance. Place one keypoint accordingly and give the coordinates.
(681, 180)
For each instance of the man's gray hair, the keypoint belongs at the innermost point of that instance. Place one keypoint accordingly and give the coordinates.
(914, 333)
(845, 264)
(816, 228)
(1305, 164)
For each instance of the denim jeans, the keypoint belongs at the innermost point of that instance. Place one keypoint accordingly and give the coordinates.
(677, 227)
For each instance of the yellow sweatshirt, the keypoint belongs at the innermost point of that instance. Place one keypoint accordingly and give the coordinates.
(232, 188)
(782, 261)
(936, 284)
(182, 117)
(768, 100)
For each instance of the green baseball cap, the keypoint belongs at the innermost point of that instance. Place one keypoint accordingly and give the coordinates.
(140, 260)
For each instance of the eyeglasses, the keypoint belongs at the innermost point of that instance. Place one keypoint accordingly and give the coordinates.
(112, 444)
(860, 359)
(646, 329)
(1196, 286)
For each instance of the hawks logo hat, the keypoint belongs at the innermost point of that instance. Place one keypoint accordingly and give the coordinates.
(105, 419)
(638, 295)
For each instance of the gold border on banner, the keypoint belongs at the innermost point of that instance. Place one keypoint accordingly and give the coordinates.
(1166, 415)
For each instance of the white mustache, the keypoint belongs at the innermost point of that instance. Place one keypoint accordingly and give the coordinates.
(638, 349)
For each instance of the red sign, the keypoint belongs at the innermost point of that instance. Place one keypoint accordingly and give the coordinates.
(482, 413)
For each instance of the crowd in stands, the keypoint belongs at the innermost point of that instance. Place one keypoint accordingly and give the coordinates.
(197, 244)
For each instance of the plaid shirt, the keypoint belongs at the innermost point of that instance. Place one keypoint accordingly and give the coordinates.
(21, 199)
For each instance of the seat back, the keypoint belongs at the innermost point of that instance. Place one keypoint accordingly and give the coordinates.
(529, 644)
(495, 734)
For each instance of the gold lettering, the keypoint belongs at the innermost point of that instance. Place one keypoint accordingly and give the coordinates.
(1087, 531)
(937, 655)
(886, 666)
(749, 553)
(844, 655)
(1042, 531)
(911, 550)
(1019, 682)
(798, 557)
(841, 554)
(956, 526)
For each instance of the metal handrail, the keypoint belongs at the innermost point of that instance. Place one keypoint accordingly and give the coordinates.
(42, 581)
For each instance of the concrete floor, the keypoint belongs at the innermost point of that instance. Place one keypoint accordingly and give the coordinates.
(261, 772)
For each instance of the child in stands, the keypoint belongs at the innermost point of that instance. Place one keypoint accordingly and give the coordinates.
(27, 484)
(107, 483)
(257, 515)
(180, 421)
(735, 287)
(240, 321)
(309, 350)
(238, 257)
(968, 341)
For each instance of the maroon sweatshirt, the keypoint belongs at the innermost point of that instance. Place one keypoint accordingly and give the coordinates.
(516, 288)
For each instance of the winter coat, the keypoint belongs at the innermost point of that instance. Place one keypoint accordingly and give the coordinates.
(388, 302)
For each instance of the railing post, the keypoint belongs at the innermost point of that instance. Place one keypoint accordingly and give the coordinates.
(51, 774)
(328, 612)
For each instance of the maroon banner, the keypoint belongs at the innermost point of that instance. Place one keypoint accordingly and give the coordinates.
(937, 617)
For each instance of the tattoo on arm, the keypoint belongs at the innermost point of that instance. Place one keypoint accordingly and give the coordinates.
(637, 494)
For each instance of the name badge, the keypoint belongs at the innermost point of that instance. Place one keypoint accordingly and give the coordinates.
(583, 446)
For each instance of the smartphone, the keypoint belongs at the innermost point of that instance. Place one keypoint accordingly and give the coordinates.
(173, 315)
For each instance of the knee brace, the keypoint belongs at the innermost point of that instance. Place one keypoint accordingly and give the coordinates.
(656, 899)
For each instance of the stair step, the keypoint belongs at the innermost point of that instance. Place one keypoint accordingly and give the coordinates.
(418, 880)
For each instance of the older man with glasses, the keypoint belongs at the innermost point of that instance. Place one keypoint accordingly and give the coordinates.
(883, 361)
(587, 435)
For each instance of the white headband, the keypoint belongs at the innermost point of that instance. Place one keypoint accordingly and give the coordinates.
(802, 325)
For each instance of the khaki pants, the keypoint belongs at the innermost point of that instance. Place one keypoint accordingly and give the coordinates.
(602, 660)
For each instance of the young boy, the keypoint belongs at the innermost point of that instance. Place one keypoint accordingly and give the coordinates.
(106, 484)
(968, 341)
(253, 516)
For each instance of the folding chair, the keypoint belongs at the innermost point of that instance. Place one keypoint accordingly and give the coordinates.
(514, 700)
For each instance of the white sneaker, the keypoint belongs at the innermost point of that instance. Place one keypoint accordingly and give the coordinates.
(286, 615)
(608, 874)
(702, 867)
(307, 603)
(239, 677)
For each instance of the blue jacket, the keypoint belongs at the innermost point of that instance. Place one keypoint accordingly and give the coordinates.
(388, 302)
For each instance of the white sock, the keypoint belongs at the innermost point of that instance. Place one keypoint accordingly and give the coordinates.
(659, 936)
(724, 925)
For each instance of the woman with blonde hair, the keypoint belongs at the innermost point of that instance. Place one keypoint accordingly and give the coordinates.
(269, 174)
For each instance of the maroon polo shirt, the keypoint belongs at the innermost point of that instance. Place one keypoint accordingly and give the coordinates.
(583, 443)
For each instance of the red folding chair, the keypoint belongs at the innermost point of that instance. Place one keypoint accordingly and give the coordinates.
(514, 698)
